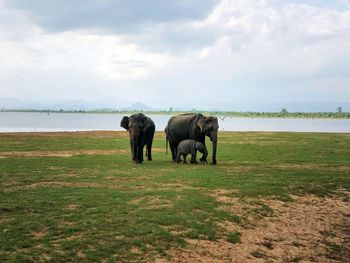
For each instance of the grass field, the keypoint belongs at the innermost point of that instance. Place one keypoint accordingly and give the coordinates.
(77, 197)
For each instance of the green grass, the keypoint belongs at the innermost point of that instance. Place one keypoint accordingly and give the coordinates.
(234, 237)
(94, 207)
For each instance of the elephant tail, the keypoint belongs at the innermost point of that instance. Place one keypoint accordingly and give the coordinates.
(166, 140)
(166, 144)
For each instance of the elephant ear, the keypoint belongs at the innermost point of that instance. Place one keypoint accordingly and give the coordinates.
(200, 120)
(147, 124)
(125, 123)
(215, 123)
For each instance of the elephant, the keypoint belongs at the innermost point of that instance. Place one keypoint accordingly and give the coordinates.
(141, 131)
(188, 146)
(191, 126)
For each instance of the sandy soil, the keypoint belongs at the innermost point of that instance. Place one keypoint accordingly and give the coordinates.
(307, 229)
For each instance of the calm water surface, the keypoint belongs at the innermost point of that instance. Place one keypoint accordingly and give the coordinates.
(33, 121)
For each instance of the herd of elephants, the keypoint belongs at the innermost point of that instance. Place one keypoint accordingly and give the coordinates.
(185, 134)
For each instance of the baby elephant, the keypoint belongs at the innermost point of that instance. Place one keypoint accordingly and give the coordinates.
(190, 147)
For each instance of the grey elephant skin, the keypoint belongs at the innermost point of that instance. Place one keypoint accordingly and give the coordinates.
(188, 146)
(141, 131)
(191, 126)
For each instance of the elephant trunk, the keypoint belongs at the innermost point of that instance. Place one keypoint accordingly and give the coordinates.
(134, 150)
(214, 139)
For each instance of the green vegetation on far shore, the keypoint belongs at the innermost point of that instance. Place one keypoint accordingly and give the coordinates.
(221, 114)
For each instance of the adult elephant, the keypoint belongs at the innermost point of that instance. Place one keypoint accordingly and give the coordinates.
(191, 126)
(141, 131)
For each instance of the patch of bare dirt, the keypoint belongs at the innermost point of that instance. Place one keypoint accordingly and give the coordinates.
(75, 236)
(232, 166)
(80, 254)
(321, 167)
(307, 229)
(12, 188)
(70, 153)
(62, 184)
(177, 187)
(72, 207)
(54, 168)
(151, 202)
(222, 195)
(39, 234)
(135, 250)
(60, 153)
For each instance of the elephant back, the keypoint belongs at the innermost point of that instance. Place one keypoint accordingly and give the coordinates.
(179, 126)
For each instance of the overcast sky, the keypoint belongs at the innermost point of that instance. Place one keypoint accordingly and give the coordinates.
(164, 53)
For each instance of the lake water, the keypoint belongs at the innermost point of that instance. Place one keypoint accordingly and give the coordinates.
(33, 121)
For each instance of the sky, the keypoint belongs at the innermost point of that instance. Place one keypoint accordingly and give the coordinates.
(203, 54)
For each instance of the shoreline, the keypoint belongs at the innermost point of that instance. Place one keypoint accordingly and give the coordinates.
(113, 132)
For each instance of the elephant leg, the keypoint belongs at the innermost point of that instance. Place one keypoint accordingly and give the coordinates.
(132, 152)
(140, 153)
(193, 156)
(203, 160)
(185, 155)
(134, 149)
(173, 149)
(149, 151)
(178, 159)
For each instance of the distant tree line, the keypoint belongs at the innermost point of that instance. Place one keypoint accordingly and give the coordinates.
(339, 114)
(336, 115)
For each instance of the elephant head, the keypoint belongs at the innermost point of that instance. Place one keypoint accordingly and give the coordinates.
(124, 123)
(136, 124)
(201, 148)
(208, 126)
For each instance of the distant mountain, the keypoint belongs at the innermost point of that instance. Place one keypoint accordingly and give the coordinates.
(14, 103)
(138, 106)
(17, 104)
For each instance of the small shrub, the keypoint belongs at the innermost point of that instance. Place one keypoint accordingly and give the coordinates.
(234, 237)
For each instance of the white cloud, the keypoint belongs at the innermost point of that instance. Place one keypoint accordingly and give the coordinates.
(25, 46)
(256, 36)
(95, 54)
(245, 48)
(121, 61)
